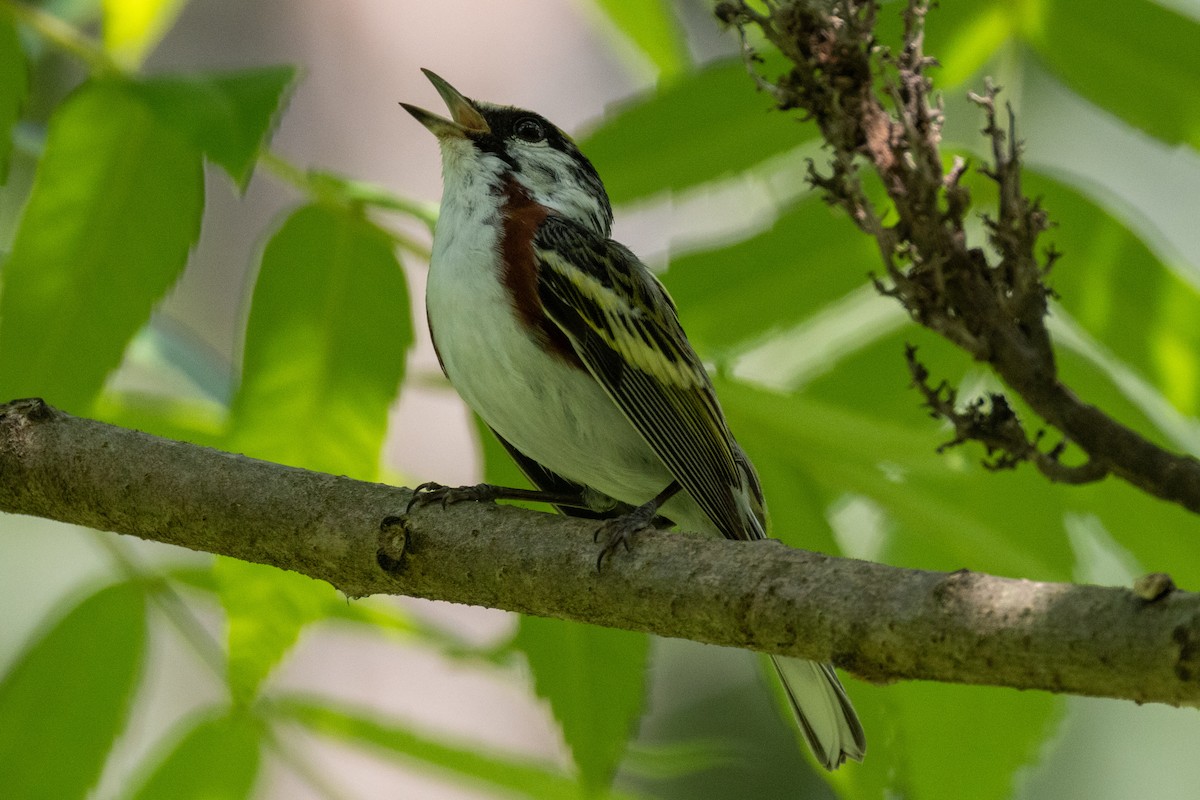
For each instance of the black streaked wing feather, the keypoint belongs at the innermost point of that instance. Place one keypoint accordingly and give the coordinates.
(624, 328)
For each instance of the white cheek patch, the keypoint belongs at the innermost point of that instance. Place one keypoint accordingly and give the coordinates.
(554, 179)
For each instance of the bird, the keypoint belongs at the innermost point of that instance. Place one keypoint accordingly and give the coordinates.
(570, 349)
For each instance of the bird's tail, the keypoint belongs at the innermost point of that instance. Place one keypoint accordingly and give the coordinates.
(823, 710)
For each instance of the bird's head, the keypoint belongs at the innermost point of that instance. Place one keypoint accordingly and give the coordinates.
(482, 142)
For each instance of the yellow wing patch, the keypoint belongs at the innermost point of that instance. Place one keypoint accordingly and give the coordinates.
(629, 331)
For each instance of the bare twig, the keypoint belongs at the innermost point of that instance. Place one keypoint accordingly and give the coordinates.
(876, 111)
(993, 423)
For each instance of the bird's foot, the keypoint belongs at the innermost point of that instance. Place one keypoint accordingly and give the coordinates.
(432, 492)
(619, 531)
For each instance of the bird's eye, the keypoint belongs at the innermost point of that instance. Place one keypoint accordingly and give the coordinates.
(530, 130)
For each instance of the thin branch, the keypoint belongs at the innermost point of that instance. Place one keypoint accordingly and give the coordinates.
(876, 111)
(883, 623)
(994, 424)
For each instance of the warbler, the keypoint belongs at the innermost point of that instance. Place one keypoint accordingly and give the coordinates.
(571, 350)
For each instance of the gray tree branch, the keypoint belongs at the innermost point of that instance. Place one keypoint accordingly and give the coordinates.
(882, 623)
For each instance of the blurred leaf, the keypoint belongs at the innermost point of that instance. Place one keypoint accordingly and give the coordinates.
(809, 257)
(265, 610)
(1141, 310)
(1159, 534)
(384, 617)
(662, 761)
(192, 421)
(948, 512)
(652, 27)
(595, 681)
(796, 500)
(707, 124)
(326, 344)
(67, 697)
(930, 740)
(217, 759)
(351, 191)
(1007, 730)
(513, 776)
(1142, 64)
(228, 116)
(14, 88)
(872, 384)
(883, 774)
(319, 603)
(132, 28)
(963, 36)
(115, 208)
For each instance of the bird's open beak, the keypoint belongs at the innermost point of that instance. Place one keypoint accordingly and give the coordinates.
(466, 120)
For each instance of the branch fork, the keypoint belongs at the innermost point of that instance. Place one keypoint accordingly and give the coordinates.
(877, 111)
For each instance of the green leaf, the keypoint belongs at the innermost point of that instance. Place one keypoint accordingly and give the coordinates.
(217, 759)
(1127, 514)
(1008, 729)
(595, 681)
(228, 116)
(381, 616)
(1143, 311)
(132, 28)
(1140, 62)
(265, 610)
(945, 511)
(365, 193)
(965, 36)
(115, 207)
(929, 740)
(809, 257)
(326, 344)
(302, 602)
(67, 697)
(924, 530)
(796, 501)
(513, 776)
(652, 27)
(962, 36)
(198, 421)
(14, 88)
(708, 124)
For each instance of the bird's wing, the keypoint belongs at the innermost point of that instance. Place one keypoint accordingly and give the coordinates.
(624, 328)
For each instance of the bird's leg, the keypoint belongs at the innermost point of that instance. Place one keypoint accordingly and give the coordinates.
(619, 530)
(485, 492)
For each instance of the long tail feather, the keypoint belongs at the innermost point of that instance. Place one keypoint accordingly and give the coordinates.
(823, 710)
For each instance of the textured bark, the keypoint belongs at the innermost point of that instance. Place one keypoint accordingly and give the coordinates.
(882, 623)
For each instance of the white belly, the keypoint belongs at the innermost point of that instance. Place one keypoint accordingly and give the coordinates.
(550, 411)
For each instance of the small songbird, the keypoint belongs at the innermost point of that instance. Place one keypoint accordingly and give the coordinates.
(570, 349)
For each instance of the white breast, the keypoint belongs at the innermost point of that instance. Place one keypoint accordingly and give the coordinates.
(549, 410)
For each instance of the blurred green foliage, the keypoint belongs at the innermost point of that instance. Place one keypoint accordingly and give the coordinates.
(846, 456)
